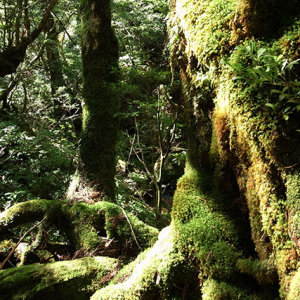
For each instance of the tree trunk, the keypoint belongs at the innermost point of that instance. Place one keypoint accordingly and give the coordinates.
(55, 67)
(101, 104)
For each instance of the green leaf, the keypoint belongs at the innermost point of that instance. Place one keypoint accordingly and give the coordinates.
(270, 105)
(237, 77)
(282, 96)
(276, 91)
(260, 52)
(291, 64)
(286, 117)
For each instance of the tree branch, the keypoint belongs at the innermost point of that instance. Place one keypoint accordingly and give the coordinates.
(19, 242)
(14, 55)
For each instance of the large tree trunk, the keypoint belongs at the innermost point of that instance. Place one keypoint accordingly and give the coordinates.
(55, 68)
(101, 104)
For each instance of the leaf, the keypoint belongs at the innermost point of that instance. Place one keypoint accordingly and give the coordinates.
(282, 96)
(284, 64)
(285, 88)
(237, 77)
(262, 74)
(276, 91)
(260, 52)
(291, 64)
(286, 117)
(270, 105)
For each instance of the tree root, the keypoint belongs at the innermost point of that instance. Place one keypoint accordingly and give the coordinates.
(156, 274)
(101, 228)
(77, 279)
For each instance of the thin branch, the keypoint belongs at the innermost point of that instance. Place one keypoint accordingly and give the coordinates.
(19, 242)
(131, 144)
(141, 159)
(131, 228)
(159, 126)
(63, 25)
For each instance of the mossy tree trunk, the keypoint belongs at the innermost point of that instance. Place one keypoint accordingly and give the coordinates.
(55, 68)
(101, 105)
(264, 18)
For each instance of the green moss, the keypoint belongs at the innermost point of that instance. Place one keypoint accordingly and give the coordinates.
(206, 25)
(205, 234)
(76, 279)
(234, 115)
(294, 292)
(29, 211)
(83, 224)
(153, 275)
(218, 290)
(117, 225)
(263, 271)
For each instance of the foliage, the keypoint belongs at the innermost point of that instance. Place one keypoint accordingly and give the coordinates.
(141, 31)
(143, 63)
(258, 65)
(36, 161)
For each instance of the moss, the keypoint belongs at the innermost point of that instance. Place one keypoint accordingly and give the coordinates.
(117, 225)
(205, 234)
(263, 271)
(87, 223)
(29, 211)
(218, 290)
(84, 225)
(76, 279)
(45, 255)
(251, 148)
(293, 196)
(294, 292)
(152, 275)
(206, 25)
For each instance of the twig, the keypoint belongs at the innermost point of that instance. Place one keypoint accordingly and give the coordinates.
(19, 242)
(289, 167)
(202, 200)
(132, 145)
(133, 234)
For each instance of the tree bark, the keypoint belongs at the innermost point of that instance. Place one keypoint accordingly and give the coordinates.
(101, 104)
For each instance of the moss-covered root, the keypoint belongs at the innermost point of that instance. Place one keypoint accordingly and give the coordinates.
(27, 212)
(264, 272)
(77, 279)
(87, 222)
(149, 276)
(84, 225)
